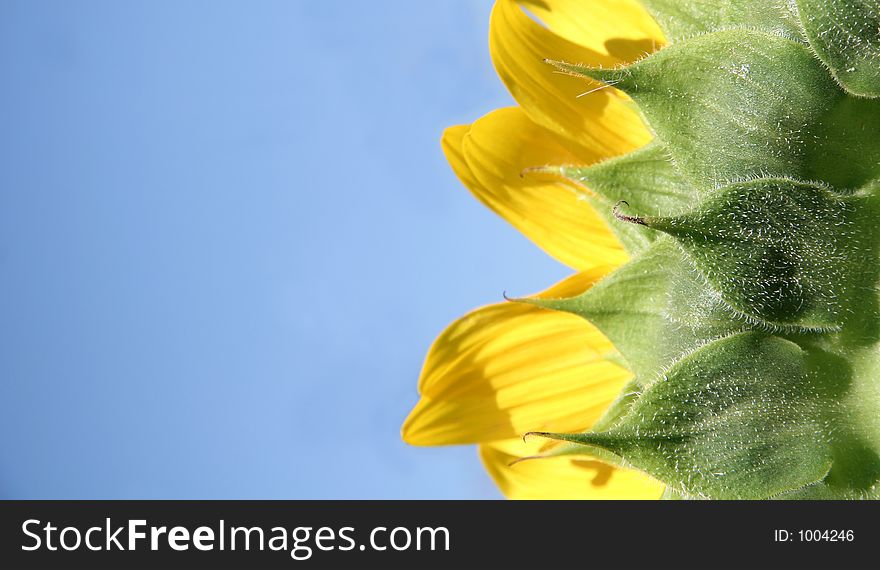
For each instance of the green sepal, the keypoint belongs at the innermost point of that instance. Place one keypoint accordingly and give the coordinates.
(646, 178)
(740, 418)
(634, 239)
(654, 309)
(736, 105)
(845, 34)
(822, 491)
(782, 252)
(682, 19)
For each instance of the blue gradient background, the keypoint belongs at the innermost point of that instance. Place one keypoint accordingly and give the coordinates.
(227, 238)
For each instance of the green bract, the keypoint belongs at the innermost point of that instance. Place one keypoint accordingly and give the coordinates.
(749, 312)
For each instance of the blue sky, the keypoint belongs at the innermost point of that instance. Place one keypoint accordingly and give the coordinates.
(227, 238)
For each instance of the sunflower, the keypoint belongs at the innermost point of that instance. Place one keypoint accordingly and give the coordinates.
(510, 368)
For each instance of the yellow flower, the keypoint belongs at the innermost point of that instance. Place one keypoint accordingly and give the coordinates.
(510, 368)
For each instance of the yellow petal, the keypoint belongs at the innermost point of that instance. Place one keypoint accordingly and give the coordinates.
(622, 29)
(603, 121)
(561, 477)
(490, 159)
(451, 142)
(510, 368)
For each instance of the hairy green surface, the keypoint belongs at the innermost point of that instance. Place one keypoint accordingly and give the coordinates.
(769, 412)
(749, 312)
(646, 179)
(738, 104)
(682, 19)
(655, 309)
(846, 35)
